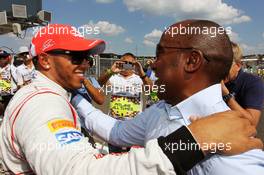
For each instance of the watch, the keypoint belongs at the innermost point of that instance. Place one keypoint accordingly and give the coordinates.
(227, 97)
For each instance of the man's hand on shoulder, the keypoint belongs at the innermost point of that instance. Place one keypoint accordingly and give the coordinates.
(226, 133)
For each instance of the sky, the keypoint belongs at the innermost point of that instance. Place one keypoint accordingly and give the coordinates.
(136, 25)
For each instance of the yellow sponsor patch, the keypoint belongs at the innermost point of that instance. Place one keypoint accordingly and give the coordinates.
(56, 125)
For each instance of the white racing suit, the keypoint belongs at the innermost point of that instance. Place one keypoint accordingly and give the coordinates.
(40, 134)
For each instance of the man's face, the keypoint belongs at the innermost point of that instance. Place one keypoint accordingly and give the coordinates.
(168, 70)
(65, 73)
(169, 66)
(26, 57)
(4, 61)
(126, 72)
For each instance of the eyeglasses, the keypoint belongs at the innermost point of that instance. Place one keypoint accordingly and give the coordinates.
(77, 57)
(159, 47)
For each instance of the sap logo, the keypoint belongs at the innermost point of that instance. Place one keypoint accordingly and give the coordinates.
(68, 137)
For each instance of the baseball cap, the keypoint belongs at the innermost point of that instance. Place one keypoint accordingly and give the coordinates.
(3, 54)
(63, 37)
(23, 49)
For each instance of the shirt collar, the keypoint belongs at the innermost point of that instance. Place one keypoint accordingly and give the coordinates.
(196, 104)
(42, 81)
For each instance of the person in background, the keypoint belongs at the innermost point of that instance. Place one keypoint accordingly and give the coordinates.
(148, 70)
(152, 98)
(8, 79)
(26, 71)
(243, 91)
(125, 80)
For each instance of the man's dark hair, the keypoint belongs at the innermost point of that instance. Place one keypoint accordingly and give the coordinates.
(216, 48)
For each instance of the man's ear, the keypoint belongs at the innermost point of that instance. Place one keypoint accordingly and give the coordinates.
(44, 61)
(193, 61)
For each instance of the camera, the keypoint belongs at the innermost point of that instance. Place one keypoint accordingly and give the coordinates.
(128, 65)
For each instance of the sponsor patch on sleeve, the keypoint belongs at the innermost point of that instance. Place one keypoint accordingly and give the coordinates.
(68, 137)
(58, 124)
(64, 131)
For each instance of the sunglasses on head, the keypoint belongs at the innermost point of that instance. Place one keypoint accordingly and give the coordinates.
(77, 57)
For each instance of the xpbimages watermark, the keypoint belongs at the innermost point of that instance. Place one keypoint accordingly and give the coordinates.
(146, 89)
(207, 147)
(196, 30)
(78, 31)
